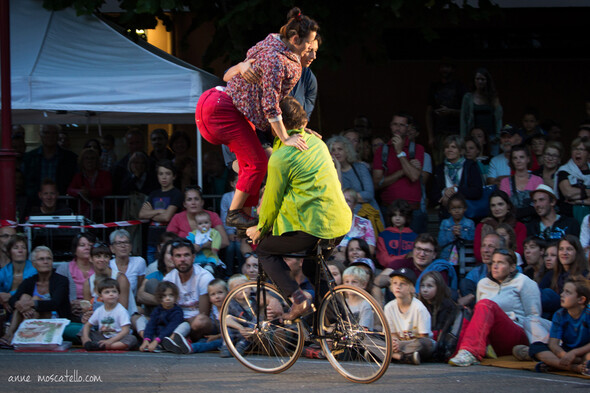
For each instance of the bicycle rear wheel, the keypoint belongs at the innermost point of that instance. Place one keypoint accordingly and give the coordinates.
(354, 334)
(263, 344)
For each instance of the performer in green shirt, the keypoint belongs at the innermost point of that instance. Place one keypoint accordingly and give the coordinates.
(302, 203)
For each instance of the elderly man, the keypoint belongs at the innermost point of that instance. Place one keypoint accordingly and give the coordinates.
(468, 285)
(549, 225)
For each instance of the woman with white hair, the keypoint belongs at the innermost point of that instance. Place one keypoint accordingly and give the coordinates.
(40, 295)
(352, 173)
(132, 267)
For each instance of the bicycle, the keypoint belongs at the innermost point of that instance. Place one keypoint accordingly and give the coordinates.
(257, 337)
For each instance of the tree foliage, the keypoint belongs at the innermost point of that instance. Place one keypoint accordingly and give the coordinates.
(241, 23)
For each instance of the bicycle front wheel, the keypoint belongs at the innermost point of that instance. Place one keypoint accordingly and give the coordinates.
(354, 334)
(253, 333)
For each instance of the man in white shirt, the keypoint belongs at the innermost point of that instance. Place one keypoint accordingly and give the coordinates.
(192, 281)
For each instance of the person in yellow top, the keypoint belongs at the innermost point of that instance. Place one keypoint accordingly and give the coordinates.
(302, 203)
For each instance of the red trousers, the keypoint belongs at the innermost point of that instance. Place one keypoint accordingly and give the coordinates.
(220, 123)
(490, 325)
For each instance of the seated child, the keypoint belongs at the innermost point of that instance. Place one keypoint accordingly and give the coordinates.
(112, 320)
(455, 227)
(207, 242)
(217, 291)
(409, 320)
(357, 277)
(569, 338)
(164, 319)
(241, 309)
(436, 296)
(398, 240)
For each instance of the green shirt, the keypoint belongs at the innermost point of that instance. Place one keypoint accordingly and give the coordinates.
(303, 192)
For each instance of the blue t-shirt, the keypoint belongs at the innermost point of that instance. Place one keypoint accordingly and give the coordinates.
(573, 333)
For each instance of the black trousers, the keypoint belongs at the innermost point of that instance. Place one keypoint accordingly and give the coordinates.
(272, 249)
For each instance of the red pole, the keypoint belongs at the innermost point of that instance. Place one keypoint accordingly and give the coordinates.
(7, 154)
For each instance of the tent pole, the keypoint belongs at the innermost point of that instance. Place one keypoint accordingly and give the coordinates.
(199, 159)
(7, 154)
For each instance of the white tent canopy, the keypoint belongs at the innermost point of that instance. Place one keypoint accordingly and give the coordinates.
(78, 69)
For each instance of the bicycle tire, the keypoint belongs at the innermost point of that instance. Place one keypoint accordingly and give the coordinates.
(271, 346)
(359, 353)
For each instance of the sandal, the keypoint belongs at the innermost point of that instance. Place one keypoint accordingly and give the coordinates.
(586, 369)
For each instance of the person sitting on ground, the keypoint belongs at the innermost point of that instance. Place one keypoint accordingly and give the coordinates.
(395, 242)
(50, 205)
(456, 228)
(356, 276)
(133, 267)
(39, 296)
(164, 318)
(78, 270)
(217, 291)
(100, 255)
(409, 320)
(569, 338)
(192, 280)
(112, 320)
(18, 269)
(572, 261)
(508, 302)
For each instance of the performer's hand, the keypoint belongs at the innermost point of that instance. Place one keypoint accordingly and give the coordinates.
(254, 234)
(296, 141)
(310, 131)
(248, 72)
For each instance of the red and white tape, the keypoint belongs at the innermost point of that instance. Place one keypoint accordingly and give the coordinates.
(9, 223)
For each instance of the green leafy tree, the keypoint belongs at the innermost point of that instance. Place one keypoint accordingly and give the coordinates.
(241, 23)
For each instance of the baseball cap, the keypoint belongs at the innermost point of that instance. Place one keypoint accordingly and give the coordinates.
(406, 273)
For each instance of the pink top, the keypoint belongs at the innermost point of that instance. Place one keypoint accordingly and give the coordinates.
(79, 278)
(532, 184)
(179, 223)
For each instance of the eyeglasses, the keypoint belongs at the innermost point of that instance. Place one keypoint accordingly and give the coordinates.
(423, 250)
(100, 244)
(122, 243)
(182, 243)
(250, 254)
(556, 156)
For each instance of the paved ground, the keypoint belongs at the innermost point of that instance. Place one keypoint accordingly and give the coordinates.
(134, 371)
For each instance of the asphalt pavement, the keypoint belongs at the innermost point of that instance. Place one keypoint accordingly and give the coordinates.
(164, 372)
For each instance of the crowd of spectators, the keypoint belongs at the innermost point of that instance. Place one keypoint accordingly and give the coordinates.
(506, 190)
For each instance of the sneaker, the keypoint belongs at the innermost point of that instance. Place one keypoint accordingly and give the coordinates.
(92, 346)
(521, 352)
(463, 358)
(170, 346)
(237, 218)
(586, 369)
(411, 358)
(182, 343)
(242, 346)
(224, 352)
(490, 353)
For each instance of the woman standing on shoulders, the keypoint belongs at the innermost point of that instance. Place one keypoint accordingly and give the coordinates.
(229, 116)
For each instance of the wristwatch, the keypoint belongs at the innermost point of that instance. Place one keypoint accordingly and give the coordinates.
(402, 154)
